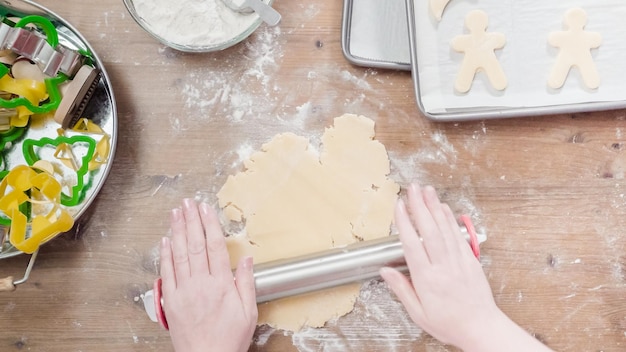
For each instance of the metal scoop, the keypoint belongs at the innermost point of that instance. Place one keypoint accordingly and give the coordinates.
(265, 11)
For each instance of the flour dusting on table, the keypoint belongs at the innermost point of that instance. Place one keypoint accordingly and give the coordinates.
(243, 84)
(378, 322)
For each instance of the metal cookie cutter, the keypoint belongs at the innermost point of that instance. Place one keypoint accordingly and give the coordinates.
(52, 58)
(46, 51)
(76, 96)
(293, 276)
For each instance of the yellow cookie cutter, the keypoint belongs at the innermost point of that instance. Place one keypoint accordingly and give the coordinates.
(37, 186)
(101, 153)
(32, 90)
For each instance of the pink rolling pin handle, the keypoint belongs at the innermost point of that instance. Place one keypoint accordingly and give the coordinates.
(473, 238)
(158, 307)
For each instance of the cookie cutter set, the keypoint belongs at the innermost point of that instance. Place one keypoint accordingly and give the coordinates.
(375, 51)
(357, 262)
(64, 125)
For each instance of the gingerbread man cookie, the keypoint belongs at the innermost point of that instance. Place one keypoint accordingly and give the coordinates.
(478, 47)
(574, 46)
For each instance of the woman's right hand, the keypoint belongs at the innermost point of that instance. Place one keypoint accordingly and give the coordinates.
(448, 295)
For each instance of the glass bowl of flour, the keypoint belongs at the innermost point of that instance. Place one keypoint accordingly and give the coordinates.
(193, 25)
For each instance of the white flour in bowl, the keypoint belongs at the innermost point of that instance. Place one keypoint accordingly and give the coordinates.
(195, 23)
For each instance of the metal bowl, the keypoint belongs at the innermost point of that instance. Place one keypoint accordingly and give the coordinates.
(254, 24)
(101, 109)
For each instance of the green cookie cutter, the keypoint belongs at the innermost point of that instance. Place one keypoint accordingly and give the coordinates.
(78, 191)
(52, 84)
(52, 37)
(9, 136)
(52, 88)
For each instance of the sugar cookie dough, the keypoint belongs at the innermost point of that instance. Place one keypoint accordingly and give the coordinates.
(296, 201)
(437, 7)
(574, 46)
(478, 47)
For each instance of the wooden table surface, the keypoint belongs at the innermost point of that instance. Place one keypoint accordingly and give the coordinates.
(549, 191)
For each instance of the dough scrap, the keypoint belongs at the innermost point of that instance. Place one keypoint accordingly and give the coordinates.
(295, 201)
(575, 46)
(478, 47)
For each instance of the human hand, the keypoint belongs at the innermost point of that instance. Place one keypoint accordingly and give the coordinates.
(448, 295)
(205, 306)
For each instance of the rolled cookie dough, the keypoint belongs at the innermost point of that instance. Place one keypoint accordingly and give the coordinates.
(295, 201)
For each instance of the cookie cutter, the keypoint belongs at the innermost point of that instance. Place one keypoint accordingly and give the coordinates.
(30, 93)
(102, 151)
(51, 57)
(77, 95)
(62, 145)
(26, 183)
(55, 61)
(7, 137)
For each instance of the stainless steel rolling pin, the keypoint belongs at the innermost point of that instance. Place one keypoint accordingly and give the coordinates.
(293, 276)
(356, 262)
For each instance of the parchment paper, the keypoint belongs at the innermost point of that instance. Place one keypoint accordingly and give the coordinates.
(527, 58)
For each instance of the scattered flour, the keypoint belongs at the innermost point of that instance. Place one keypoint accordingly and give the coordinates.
(244, 152)
(247, 87)
(408, 168)
(358, 82)
(445, 151)
(242, 88)
(9, 307)
(378, 323)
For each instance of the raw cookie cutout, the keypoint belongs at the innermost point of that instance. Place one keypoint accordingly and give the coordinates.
(478, 47)
(437, 7)
(574, 46)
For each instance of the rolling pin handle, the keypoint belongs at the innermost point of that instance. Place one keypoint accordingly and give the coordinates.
(158, 304)
(473, 238)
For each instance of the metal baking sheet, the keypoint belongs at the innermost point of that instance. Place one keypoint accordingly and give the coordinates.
(527, 59)
(101, 108)
(375, 33)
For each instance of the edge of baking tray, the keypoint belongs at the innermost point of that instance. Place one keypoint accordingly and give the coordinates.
(492, 112)
(346, 21)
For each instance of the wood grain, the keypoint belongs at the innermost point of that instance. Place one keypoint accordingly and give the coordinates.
(549, 191)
